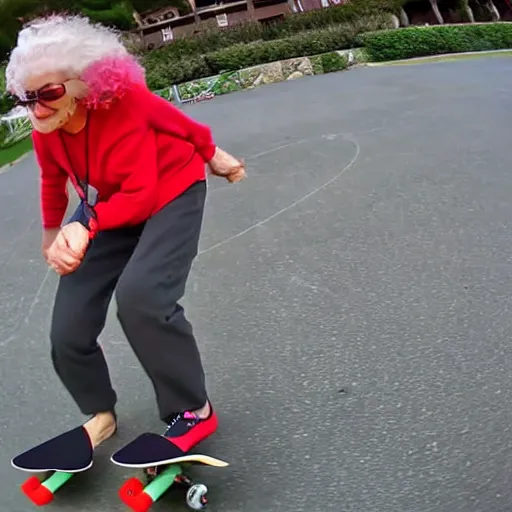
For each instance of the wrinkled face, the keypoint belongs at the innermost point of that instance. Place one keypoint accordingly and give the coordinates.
(51, 100)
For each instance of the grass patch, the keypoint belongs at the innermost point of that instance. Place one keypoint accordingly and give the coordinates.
(12, 153)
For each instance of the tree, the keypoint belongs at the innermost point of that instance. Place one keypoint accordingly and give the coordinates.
(491, 8)
(437, 12)
(114, 13)
(468, 12)
(404, 19)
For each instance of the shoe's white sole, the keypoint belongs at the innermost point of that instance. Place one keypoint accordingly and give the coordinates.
(51, 469)
(201, 459)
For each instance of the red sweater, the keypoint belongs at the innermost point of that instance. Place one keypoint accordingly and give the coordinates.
(143, 152)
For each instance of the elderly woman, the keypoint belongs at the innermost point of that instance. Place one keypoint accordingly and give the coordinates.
(139, 167)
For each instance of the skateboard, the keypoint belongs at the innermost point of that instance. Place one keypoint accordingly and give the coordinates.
(58, 460)
(163, 465)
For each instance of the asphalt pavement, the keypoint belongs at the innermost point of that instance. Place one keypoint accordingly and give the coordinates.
(352, 301)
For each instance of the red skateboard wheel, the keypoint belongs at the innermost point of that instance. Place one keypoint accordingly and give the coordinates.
(132, 494)
(130, 490)
(36, 492)
(142, 503)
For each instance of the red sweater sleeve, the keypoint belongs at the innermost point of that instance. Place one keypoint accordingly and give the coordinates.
(53, 186)
(132, 159)
(164, 116)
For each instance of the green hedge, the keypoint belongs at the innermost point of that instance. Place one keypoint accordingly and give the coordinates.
(214, 39)
(435, 40)
(164, 73)
(300, 45)
(164, 70)
(333, 62)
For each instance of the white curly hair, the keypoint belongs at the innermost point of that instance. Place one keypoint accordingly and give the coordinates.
(57, 43)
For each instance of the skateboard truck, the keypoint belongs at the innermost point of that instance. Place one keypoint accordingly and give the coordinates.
(162, 463)
(140, 498)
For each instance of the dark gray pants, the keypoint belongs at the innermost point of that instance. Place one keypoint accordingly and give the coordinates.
(148, 266)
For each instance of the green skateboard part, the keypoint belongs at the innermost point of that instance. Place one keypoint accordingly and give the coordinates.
(56, 481)
(162, 482)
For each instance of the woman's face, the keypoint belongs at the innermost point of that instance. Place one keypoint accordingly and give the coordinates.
(56, 100)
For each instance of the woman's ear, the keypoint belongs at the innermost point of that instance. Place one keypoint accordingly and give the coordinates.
(77, 89)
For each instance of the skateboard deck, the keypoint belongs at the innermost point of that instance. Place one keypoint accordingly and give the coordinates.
(63, 457)
(162, 463)
(154, 450)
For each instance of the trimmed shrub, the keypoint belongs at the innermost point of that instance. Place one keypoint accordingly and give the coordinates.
(356, 12)
(163, 70)
(333, 62)
(304, 44)
(209, 40)
(161, 73)
(412, 42)
(328, 62)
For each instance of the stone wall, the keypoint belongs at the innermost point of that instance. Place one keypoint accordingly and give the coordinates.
(256, 76)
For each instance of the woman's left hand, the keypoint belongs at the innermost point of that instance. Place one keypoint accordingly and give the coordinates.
(77, 238)
(227, 166)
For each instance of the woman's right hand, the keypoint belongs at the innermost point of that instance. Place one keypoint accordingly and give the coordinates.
(57, 252)
(227, 166)
(49, 236)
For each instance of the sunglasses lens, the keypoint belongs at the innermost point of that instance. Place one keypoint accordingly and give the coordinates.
(51, 93)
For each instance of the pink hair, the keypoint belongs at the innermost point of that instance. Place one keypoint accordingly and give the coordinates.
(110, 78)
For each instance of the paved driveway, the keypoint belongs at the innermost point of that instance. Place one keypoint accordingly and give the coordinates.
(352, 300)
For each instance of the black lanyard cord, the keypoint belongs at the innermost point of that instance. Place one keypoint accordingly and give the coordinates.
(83, 186)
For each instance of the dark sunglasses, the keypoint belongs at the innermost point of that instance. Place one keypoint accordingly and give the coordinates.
(46, 94)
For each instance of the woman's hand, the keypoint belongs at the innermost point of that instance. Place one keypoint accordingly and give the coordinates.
(68, 249)
(227, 166)
(77, 238)
(49, 236)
